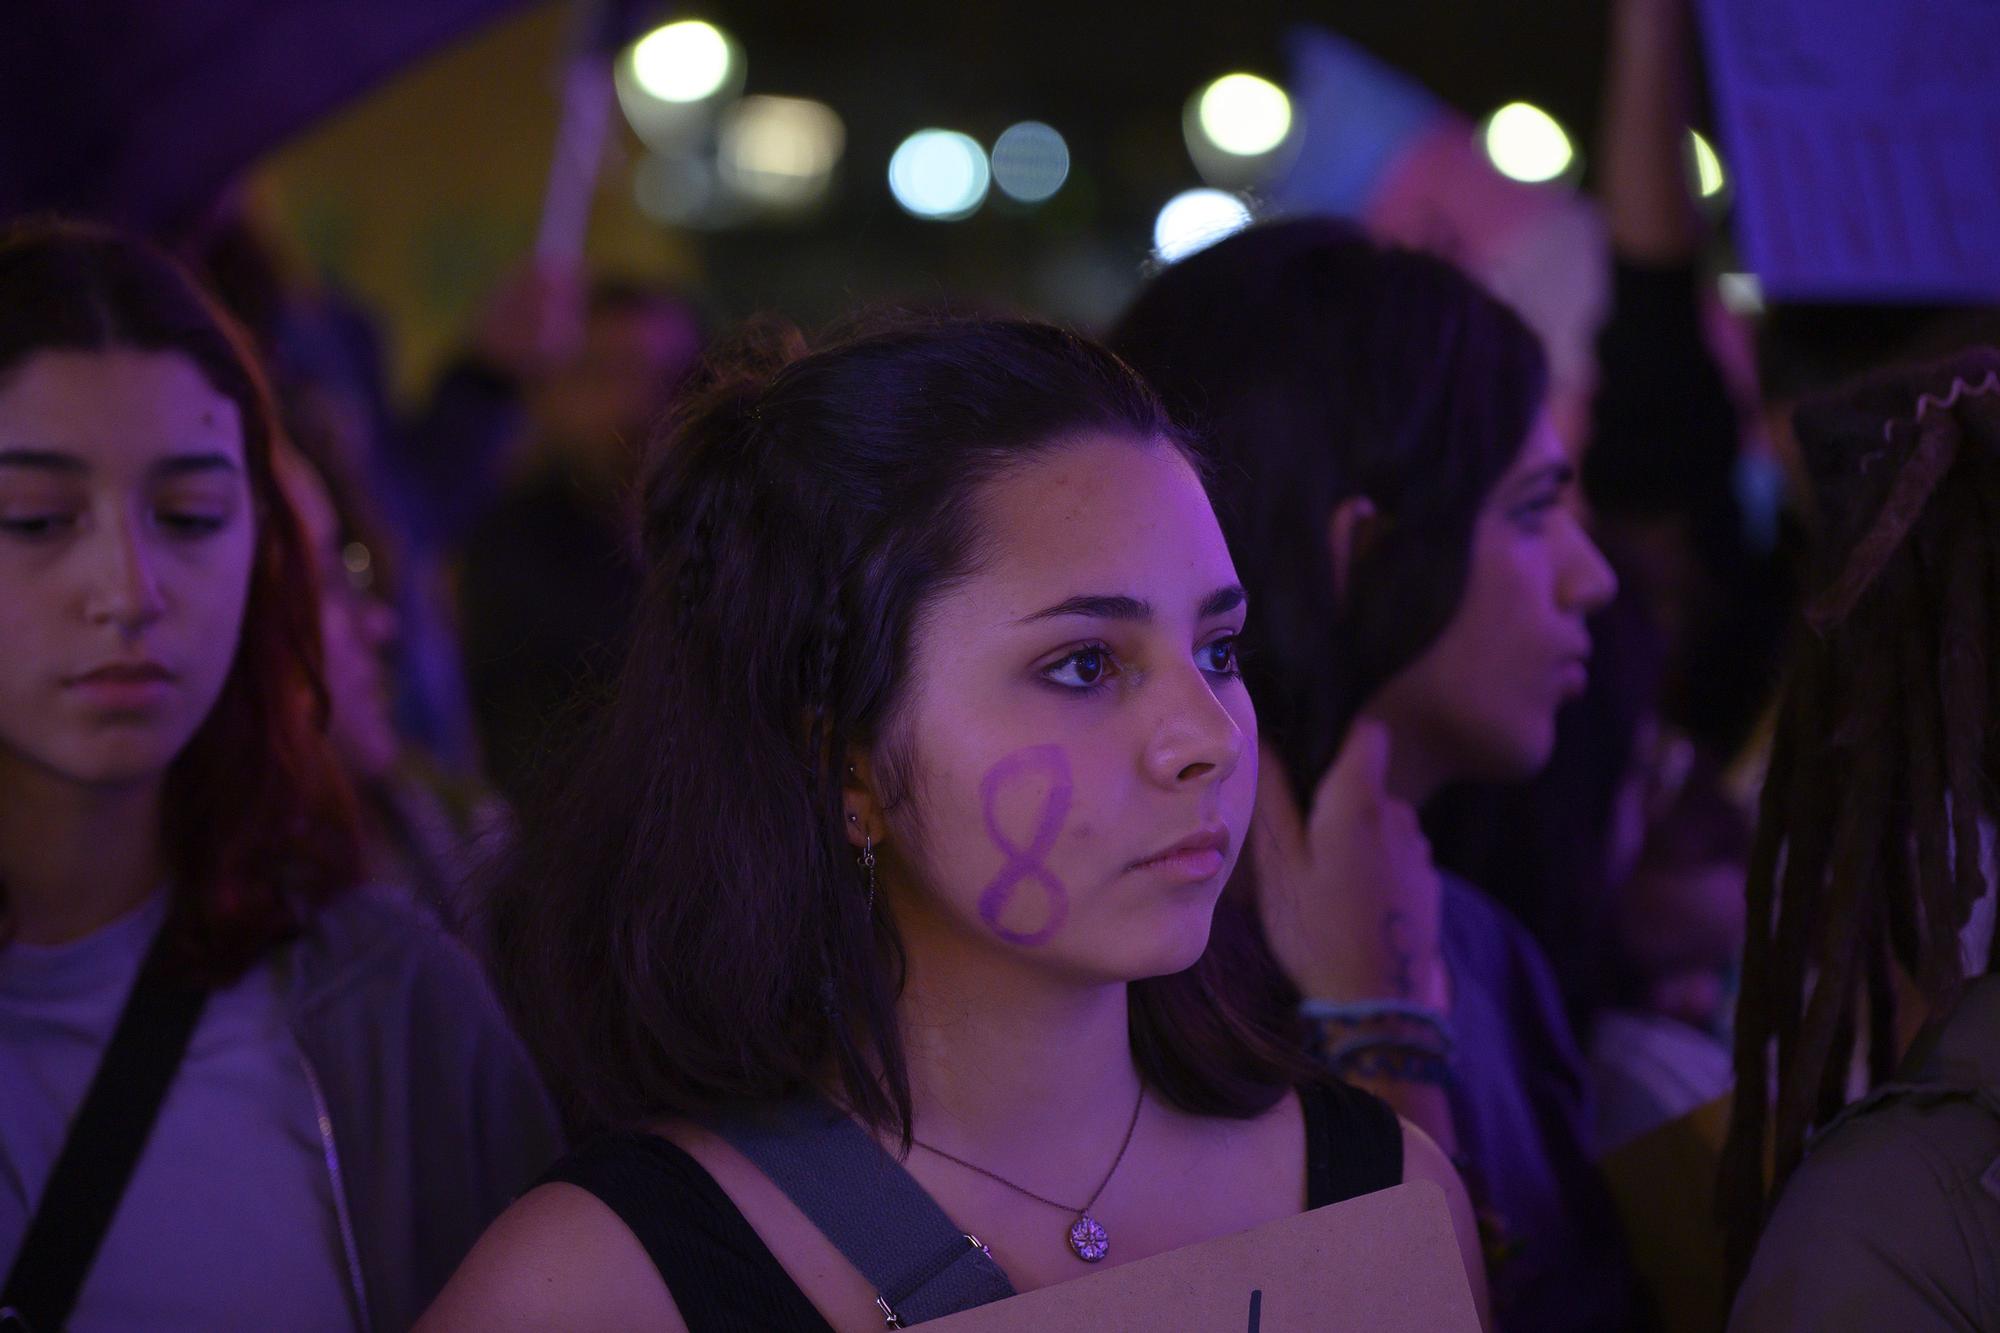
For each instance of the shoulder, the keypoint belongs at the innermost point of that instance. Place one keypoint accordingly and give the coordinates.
(558, 1258)
(1888, 1216)
(377, 982)
(369, 941)
(1475, 925)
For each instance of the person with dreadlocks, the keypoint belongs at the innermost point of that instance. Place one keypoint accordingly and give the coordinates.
(1870, 893)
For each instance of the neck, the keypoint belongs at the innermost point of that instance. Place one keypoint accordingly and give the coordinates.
(74, 858)
(1010, 1063)
(1416, 773)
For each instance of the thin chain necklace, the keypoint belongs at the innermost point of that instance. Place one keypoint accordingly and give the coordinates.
(1087, 1238)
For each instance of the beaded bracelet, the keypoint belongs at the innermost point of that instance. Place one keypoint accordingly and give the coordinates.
(1331, 1013)
(1403, 1063)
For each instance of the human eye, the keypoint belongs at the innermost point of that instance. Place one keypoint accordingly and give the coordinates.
(193, 515)
(1532, 514)
(190, 523)
(1082, 670)
(1222, 657)
(36, 522)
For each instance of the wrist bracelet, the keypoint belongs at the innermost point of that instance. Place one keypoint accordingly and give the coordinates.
(1403, 1064)
(1355, 1046)
(1363, 1012)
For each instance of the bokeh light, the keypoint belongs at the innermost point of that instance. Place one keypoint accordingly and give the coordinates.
(1196, 219)
(1526, 143)
(1742, 294)
(1244, 115)
(939, 175)
(1708, 175)
(1030, 161)
(684, 62)
(780, 152)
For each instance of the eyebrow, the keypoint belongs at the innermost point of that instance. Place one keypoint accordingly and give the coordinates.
(43, 460)
(1119, 607)
(178, 465)
(182, 465)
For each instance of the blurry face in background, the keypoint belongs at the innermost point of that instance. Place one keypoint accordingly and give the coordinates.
(597, 408)
(356, 628)
(1074, 727)
(1480, 702)
(127, 532)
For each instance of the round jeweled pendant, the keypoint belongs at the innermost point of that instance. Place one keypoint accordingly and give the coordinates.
(1088, 1240)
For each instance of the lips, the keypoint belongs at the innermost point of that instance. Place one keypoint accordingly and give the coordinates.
(1193, 858)
(123, 686)
(123, 673)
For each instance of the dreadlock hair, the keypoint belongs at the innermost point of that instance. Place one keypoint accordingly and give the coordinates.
(1868, 846)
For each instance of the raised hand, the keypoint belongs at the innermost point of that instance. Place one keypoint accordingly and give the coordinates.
(1348, 894)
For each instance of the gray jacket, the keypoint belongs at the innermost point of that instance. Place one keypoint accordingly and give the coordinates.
(1893, 1221)
(431, 1116)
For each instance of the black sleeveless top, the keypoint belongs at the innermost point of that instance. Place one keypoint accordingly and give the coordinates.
(724, 1279)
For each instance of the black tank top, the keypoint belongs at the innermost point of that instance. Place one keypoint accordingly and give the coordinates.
(725, 1280)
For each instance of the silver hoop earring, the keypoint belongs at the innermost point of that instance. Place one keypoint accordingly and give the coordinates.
(868, 864)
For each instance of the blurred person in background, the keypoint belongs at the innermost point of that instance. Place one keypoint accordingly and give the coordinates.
(242, 1090)
(1398, 503)
(1868, 967)
(422, 826)
(548, 576)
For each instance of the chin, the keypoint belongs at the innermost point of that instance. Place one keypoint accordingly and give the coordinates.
(1174, 941)
(118, 756)
(118, 765)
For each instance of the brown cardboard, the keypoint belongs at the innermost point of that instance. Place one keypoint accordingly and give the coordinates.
(1385, 1262)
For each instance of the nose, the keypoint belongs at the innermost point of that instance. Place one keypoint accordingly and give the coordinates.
(1588, 581)
(124, 586)
(1194, 738)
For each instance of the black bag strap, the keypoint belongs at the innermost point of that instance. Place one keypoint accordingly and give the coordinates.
(102, 1147)
(920, 1264)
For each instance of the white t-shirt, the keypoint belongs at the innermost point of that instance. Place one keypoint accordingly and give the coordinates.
(229, 1219)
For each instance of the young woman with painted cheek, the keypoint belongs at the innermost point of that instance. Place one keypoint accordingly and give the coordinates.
(173, 823)
(1078, 724)
(954, 604)
(1397, 502)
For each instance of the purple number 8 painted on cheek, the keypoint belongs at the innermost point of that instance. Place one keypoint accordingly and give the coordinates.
(1024, 864)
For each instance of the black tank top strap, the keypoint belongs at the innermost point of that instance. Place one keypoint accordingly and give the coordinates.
(1354, 1143)
(721, 1274)
(723, 1277)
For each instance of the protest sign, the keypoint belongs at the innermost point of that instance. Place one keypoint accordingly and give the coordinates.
(1385, 1262)
(1864, 142)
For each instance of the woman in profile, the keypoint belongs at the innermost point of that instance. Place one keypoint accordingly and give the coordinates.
(240, 1091)
(1389, 477)
(894, 866)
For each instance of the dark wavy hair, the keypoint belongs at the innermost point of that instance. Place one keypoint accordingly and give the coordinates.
(1316, 365)
(259, 821)
(681, 926)
(1868, 851)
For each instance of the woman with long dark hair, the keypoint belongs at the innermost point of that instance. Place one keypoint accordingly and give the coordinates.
(1396, 496)
(239, 1091)
(886, 891)
(1871, 888)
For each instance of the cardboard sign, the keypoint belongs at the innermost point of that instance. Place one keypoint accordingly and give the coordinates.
(1864, 137)
(1385, 1262)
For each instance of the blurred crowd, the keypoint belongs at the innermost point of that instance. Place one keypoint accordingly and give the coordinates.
(439, 783)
